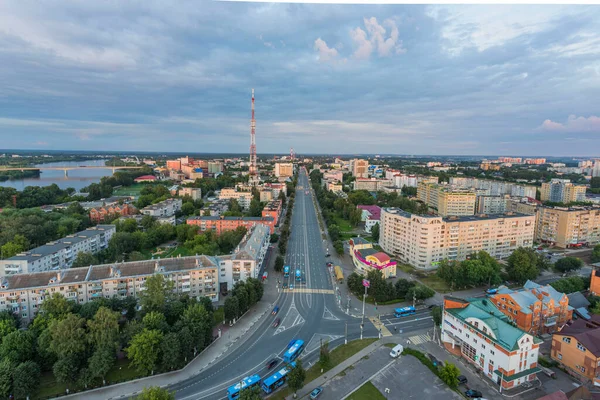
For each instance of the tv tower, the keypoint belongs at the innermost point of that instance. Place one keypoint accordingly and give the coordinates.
(253, 179)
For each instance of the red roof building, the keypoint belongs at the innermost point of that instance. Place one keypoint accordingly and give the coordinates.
(145, 178)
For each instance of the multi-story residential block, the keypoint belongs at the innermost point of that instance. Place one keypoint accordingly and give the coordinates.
(333, 175)
(447, 200)
(370, 216)
(562, 191)
(577, 348)
(216, 207)
(423, 241)
(174, 165)
(477, 331)
(243, 198)
(494, 188)
(215, 167)
(510, 160)
(492, 204)
(220, 224)
(335, 186)
(595, 170)
(166, 208)
(101, 214)
(284, 170)
(489, 166)
(568, 227)
(370, 184)
(536, 309)
(535, 161)
(194, 193)
(365, 258)
(59, 254)
(266, 195)
(276, 188)
(401, 180)
(360, 168)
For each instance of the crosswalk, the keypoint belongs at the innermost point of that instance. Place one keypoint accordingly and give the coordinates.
(307, 290)
(418, 339)
(380, 327)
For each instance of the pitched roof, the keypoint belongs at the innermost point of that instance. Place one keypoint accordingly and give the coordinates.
(359, 240)
(375, 211)
(578, 300)
(586, 332)
(381, 257)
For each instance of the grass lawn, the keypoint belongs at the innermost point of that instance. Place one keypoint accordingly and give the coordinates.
(219, 316)
(436, 283)
(371, 300)
(337, 355)
(368, 391)
(391, 345)
(343, 224)
(177, 251)
(133, 190)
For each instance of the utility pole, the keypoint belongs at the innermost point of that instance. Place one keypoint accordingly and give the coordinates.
(414, 299)
(362, 323)
(346, 334)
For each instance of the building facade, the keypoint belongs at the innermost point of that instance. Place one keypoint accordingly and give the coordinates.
(194, 193)
(284, 170)
(447, 200)
(360, 168)
(370, 184)
(370, 215)
(423, 241)
(365, 258)
(568, 227)
(101, 214)
(243, 198)
(492, 204)
(475, 330)
(59, 254)
(220, 224)
(166, 208)
(562, 191)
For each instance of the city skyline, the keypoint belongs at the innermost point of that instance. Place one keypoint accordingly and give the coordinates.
(421, 80)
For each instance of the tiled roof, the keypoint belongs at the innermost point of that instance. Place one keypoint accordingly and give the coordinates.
(375, 211)
(586, 332)
(382, 257)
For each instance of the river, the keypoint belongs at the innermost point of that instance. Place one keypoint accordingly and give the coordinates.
(77, 178)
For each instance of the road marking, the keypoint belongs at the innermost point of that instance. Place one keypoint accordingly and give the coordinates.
(308, 290)
(418, 339)
(329, 315)
(380, 326)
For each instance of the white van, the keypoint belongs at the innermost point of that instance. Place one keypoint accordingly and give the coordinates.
(396, 351)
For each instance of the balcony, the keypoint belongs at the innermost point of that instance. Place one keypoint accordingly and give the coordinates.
(96, 286)
(185, 289)
(551, 321)
(15, 297)
(96, 295)
(122, 285)
(185, 277)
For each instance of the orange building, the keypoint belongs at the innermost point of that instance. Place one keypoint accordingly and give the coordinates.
(536, 309)
(577, 348)
(221, 224)
(595, 281)
(174, 165)
(272, 209)
(100, 214)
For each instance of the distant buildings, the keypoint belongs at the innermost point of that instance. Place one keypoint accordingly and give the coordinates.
(219, 224)
(284, 170)
(145, 178)
(423, 241)
(194, 193)
(59, 254)
(101, 214)
(535, 161)
(365, 258)
(562, 191)
(477, 331)
(493, 188)
(163, 212)
(492, 204)
(510, 160)
(536, 309)
(370, 216)
(360, 168)
(371, 184)
(243, 198)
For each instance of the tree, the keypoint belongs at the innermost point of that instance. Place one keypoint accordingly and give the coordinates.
(255, 208)
(18, 346)
(6, 371)
(66, 369)
(56, 307)
(252, 393)
(26, 378)
(279, 261)
(274, 238)
(375, 233)
(144, 350)
(324, 356)
(10, 249)
(231, 308)
(104, 328)
(155, 393)
(449, 373)
(403, 286)
(155, 320)
(436, 313)
(522, 265)
(596, 254)
(420, 292)
(85, 259)
(188, 208)
(101, 361)
(568, 264)
(158, 291)
(296, 377)
(171, 352)
(68, 336)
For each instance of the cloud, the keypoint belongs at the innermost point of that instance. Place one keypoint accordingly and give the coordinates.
(375, 38)
(574, 124)
(326, 54)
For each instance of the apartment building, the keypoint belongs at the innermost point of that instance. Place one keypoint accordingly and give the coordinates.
(371, 184)
(370, 215)
(243, 198)
(562, 191)
(447, 200)
(59, 254)
(335, 186)
(423, 241)
(166, 208)
(535, 161)
(494, 188)
(536, 309)
(401, 180)
(489, 166)
(220, 223)
(101, 214)
(577, 348)
(492, 204)
(284, 170)
(272, 209)
(275, 188)
(569, 227)
(194, 193)
(510, 160)
(360, 168)
(595, 280)
(333, 175)
(215, 167)
(477, 331)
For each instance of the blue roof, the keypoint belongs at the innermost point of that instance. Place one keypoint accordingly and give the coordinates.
(294, 348)
(409, 308)
(247, 381)
(279, 374)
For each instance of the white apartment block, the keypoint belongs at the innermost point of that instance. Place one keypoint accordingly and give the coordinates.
(243, 198)
(198, 276)
(478, 331)
(194, 193)
(495, 188)
(492, 204)
(423, 241)
(59, 254)
(166, 208)
(371, 184)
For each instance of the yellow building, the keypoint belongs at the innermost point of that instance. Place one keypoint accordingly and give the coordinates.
(568, 227)
(562, 191)
(284, 170)
(360, 168)
(575, 347)
(447, 200)
(365, 258)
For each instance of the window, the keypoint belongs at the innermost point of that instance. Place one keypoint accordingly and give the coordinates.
(582, 369)
(580, 347)
(567, 339)
(492, 352)
(559, 356)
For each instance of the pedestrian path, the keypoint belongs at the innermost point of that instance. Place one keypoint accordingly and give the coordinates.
(419, 339)
(380, 326)
(307, 290)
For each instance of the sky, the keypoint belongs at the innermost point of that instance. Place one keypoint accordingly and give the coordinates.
(174, 76)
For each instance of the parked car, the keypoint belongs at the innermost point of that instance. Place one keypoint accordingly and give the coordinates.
(462, 380)
(316, 393)
(473, 394)
(272, 363)
(275, 310)
(276, 323)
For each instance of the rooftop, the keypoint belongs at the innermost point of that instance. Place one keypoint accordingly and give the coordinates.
(359, 240)
(375, 211)
(251, 244)
(586, 332)
(531, 293)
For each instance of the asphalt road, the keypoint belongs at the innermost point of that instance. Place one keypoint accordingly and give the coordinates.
(309, 312)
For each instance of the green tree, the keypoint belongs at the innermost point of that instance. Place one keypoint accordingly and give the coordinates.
(6, 371)
(449, 373)
(102, 361)
(279, 261)
(436, 313)
(403, 286)
(144, 350)
(56, 307)
(568, 264)
(252, 393)
(188, 208)
(231, 308)
(66, 369)
(10, 249)
(324, 356)
(68, 336)
(255, 208)
(155, 320)
(26, 378)
(104, 328)
(171, 352)
(155, 393)
(596, 254)
(375, 233)
(18, 346)
(296, 377)
(158, 291)
(420, 292)
(197, 319)
(522, 265)
(85, 259)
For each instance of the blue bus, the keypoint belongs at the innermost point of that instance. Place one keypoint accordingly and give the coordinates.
(248, 382)
(298, 274)
(286, 271)
(294, 349)
(404, 311)
(270, 384)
